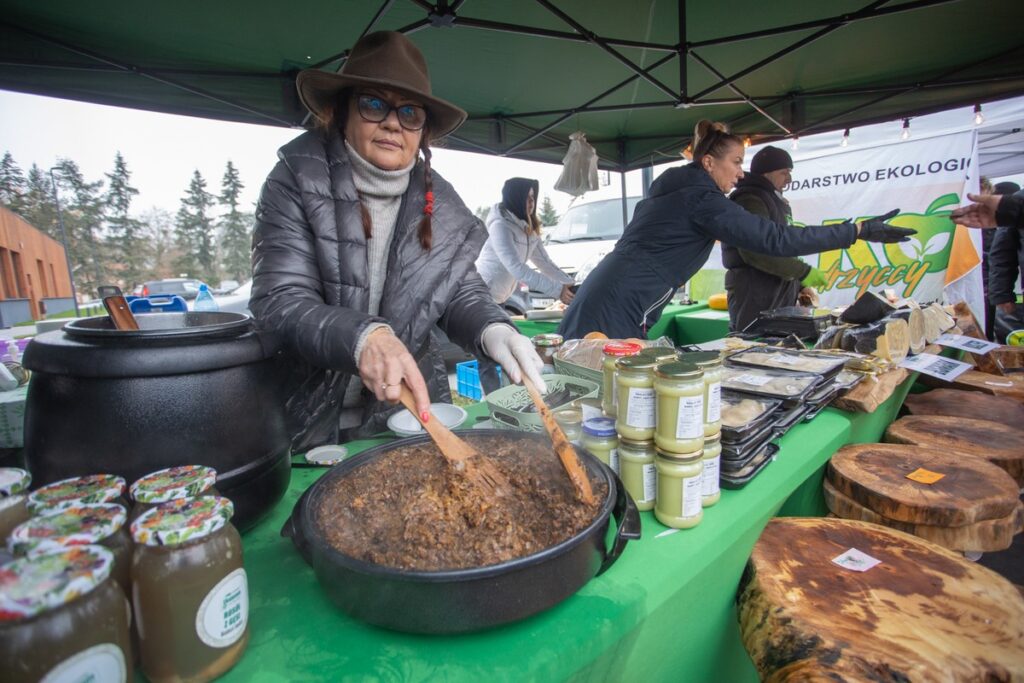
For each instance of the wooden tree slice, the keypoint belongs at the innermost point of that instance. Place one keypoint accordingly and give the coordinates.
(970, 404)
(1011, 386)
(875, 475)
(988, 536)
(1001, 445)
(872, 392)
(923, 614)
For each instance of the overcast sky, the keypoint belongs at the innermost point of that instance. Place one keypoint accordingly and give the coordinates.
(162, 151)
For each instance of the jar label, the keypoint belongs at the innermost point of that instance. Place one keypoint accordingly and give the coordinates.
(650, 482)
(104, 662)
(692, 504)
(690, 417)
(224, 612)
(709, 477)
(590, 411)
(640, 408)
(714, 402)
(613, 460)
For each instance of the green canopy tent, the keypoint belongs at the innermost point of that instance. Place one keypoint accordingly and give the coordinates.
(634, 75)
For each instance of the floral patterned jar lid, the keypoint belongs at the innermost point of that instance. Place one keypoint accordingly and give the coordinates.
(32, 585)
(14, 480)
(60, 495)
(183, 481)
(182, 520)
(78, 525)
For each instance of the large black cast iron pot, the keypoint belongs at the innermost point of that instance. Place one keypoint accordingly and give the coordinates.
(461, 600)
(186, 388)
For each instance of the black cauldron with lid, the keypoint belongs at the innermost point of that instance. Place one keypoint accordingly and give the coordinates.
(196, 388)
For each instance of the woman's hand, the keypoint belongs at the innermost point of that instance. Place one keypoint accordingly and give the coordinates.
(567, 295)
(384, 363)
(981, 214)
(514, 353)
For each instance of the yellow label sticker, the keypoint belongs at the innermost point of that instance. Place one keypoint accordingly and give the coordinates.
(925, 476)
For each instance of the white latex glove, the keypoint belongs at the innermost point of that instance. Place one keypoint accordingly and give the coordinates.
(514, 353)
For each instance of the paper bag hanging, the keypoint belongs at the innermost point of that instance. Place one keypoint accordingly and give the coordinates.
(579, 167)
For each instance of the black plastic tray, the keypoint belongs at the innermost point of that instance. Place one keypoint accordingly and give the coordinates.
(743, 449)
(835, 363)
(814, 381)
(735, 434)
(729, 482)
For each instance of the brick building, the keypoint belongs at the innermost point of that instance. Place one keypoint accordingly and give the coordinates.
(33, 271)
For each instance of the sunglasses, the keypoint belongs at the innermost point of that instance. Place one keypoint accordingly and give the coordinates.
(375, 109)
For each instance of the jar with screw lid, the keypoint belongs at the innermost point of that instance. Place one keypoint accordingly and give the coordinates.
(612, 352)
(680, 404)
(635, 413)
(711, 363)
(637, 471)
(678, 501)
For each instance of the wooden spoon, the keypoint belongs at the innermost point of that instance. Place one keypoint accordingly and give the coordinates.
(566, 452)
(459, 454)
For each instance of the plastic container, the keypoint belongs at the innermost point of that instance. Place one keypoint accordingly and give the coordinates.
(590, 408)
(735, 479)
(680, 397)
(14, 483)
(171, 483)
(467, 379)
(712, 458)
(635, 409)
(613, 351)
(204, 300)
(637, 471)
(788, 386)
(790, 360)
(92, 488)
(601, 439)
(546, 345)
(511, 407)
(744, 414)
(711, 363)
(678, 502)
(191, 596)
(62, 618)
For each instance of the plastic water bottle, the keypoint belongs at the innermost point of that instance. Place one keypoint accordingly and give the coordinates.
(204, 300)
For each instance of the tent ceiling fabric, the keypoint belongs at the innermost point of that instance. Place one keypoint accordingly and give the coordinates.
(530, 72)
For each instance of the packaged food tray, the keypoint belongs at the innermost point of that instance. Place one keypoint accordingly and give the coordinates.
(511, 408)
(788, 386)
(790, 360)
(739, 479)
(760, 409)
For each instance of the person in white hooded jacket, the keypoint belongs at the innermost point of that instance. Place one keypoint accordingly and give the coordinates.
(513, 239)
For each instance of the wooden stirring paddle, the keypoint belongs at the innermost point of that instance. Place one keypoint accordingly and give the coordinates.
(459, 454)
(566, 452)
(117, 308)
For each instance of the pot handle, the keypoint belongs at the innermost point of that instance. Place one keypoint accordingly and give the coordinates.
(628, 517)
(293, 529)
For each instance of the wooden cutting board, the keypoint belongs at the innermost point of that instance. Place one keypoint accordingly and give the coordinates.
(874, 475)
(990, 535)
(923, 614)
(1000, 444)
(971, 404)
(1010, 386)
(871, 392)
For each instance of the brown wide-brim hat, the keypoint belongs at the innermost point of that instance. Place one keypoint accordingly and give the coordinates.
(385, 59)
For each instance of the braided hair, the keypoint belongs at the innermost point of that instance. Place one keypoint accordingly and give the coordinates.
(425, 233)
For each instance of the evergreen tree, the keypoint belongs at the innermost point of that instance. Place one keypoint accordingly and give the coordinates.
(547, 214)
(38, 206)
(193, 232)
(235, 231)
(82, 207)
(12, 184)
(157, 227)
(481, 212)
(124, 233)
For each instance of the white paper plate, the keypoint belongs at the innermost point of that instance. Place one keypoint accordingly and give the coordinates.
(326, 455)
(403, 423)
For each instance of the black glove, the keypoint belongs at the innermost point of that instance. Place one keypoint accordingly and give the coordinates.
(877, 230)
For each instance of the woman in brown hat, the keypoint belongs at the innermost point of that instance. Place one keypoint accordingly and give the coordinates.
(360, 250)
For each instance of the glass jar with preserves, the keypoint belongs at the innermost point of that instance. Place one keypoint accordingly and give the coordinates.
(678, 501)
(101, 524)
(590, 408)
(571, 422)
(63, 618)
(635, 387)
(173, 483)
(190, 591)
(92, 488)
(680, 390)
(612, 352)
(601, 439)
(711, 363)
(546, 345)
(14, 483)
(636, 465)
(712, 457)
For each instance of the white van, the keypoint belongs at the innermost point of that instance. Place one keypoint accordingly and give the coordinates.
(586, 233)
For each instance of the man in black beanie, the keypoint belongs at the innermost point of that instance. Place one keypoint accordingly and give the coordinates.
(755, 282)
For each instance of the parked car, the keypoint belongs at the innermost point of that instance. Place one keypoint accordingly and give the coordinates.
(237, 301)
(225, 287)
(586, 233)
(186, 288)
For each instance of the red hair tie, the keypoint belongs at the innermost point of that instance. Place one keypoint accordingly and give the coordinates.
(429, 208)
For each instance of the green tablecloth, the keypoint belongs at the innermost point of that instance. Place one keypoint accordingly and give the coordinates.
(699, 325)
(664, 326)
(664, 611)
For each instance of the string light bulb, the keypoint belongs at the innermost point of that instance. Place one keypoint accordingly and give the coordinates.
(979, 118)
(905, 135)
(845, 142)
(796, 142)
(687, 152)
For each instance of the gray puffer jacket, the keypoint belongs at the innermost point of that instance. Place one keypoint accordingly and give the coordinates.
(311, 284)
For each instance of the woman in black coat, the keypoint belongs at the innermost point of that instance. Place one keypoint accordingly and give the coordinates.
(673, 231)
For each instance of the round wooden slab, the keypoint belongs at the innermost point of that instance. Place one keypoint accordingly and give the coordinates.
(1000, 444)
(875, 475)
(1010, 386)
(971, 404)
(923, 614)
(990, 535)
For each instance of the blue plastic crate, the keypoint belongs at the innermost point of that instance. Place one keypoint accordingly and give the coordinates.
(467, 379)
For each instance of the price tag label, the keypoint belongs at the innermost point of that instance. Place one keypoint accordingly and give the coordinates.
(936, 366)
(924, 476)
(752, 380)
(855, 560)
(964, 343)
